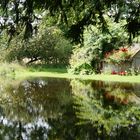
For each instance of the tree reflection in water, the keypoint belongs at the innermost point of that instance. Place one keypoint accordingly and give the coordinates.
(59, 109)
(28, 108)
(112, 111)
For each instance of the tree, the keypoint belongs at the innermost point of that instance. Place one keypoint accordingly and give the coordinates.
(48, 46)
(73, 14)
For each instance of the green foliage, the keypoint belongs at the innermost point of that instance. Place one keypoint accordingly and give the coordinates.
(47, 68)
(74, 14)
(106, 42)
(96, 45)
(80, 62)
(48, 46)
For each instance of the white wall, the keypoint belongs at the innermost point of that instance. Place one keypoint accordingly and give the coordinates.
(136, 61)
(108, 68)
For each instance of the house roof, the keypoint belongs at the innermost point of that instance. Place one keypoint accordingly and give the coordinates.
(134, 49)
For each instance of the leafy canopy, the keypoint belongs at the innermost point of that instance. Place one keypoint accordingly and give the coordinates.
(87, 58)
(72, 14)
(48, 46)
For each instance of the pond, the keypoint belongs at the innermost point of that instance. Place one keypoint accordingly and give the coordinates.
(61, 109)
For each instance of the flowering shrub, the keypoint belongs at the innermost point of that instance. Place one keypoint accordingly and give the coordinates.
(118, 56)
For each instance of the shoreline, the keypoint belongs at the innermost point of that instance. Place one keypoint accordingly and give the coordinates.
(99, 77)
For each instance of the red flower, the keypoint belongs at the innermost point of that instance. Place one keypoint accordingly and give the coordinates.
(113, 72)
(122, 73)
(124, 49)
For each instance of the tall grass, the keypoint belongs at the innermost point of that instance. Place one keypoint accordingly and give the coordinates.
(9, 69)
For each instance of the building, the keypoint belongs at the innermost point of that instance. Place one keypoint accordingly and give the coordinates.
(131, 61)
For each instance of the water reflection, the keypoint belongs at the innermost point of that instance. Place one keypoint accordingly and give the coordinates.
(59, 109)
(27, 107)
(112, 111)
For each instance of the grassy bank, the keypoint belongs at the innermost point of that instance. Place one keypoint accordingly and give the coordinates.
(18, 71)
(62, 73)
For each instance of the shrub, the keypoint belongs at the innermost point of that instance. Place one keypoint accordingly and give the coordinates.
(83, 68)
(80, 62)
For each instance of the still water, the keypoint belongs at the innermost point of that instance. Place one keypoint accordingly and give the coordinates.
(60, 109)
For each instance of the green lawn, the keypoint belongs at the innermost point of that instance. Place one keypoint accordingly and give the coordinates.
(62, 73)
